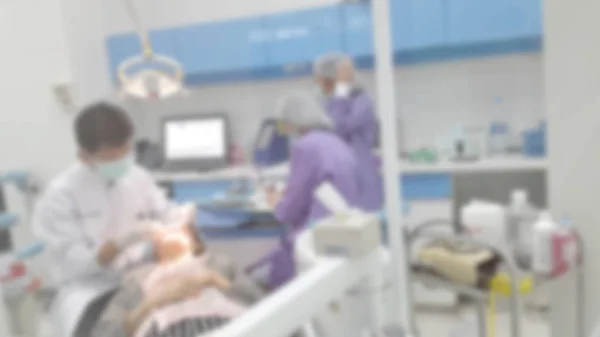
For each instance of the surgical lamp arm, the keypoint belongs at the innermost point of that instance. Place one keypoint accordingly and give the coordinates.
(142, 31)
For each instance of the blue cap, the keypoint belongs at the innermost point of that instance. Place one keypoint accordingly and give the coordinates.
(565, 222)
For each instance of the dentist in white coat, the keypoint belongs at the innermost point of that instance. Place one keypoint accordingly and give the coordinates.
(86, 208)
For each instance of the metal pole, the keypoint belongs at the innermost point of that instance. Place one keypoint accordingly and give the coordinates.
(386, 106)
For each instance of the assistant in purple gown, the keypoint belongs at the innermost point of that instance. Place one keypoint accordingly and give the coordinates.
(352, 112)
(318, 155)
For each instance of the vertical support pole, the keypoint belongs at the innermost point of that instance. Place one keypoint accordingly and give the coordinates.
(386, 106)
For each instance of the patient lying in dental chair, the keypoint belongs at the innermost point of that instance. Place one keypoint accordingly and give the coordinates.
(187, 292)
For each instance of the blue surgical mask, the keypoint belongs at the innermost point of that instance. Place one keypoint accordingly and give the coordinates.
(114, 170)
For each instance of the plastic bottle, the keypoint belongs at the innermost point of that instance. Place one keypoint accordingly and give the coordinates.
(521, 216)
(498, 138)
(543, 233)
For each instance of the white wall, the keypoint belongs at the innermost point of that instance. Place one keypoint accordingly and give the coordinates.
(432, 98)
(85, 22)
(34, 57)
(56, 40)
(35, 132)
(572, 83)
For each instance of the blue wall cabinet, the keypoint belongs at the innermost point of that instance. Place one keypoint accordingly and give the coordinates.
(474, 21)
(285, 44)
(216, 48)
(296, 38)
(124, 46)
(417, 24)
(357, 24)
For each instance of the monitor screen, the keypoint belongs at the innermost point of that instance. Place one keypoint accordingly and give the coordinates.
(195, 138)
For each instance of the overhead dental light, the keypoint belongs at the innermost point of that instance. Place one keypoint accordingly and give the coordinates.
(149, 76)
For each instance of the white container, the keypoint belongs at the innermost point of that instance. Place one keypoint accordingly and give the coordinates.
(486, 221)
(521, 216)
(543, 232)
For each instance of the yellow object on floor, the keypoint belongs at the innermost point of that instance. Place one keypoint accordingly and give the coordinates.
(501, 285)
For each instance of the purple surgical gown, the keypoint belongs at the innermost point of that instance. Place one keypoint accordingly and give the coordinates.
(317, 157)
(355, 122)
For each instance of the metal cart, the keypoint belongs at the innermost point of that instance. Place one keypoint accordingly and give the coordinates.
(481, 296)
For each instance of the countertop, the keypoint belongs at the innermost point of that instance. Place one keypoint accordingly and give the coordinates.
(504, 164)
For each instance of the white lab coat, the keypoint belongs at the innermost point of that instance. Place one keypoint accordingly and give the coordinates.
(77, 214)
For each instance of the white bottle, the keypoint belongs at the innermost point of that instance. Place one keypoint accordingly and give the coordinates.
(543, 231)
(521, 218)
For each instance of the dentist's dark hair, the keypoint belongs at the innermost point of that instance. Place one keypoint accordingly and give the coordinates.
(101, 125)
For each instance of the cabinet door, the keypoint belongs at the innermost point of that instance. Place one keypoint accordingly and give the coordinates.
(221, 47)
(426, 186)
(122, 47)
(357, 24)
(488, 20)
(417, 24)
(296, 38)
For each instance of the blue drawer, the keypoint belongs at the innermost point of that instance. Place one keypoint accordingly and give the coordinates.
(187, 191)
(124, 46)
(298, 37)
(471, 21)
(232, 46)
(357, 25)
(433, 186)
(417, 24)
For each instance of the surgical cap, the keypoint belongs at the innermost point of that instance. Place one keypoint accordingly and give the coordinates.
(303, 110)
(326, 65)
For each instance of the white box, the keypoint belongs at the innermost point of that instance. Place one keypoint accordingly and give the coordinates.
(354, 235)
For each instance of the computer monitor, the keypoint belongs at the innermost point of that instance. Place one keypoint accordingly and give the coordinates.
(195, 143)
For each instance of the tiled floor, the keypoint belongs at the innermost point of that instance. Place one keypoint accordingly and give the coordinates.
(443, 324)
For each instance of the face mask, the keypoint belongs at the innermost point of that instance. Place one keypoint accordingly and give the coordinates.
(114, 170)
(342, 90)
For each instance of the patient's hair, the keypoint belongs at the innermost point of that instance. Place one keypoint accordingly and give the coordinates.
(101, 125)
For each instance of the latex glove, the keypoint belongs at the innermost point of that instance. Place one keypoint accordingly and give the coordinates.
(108, 253)
(272, 196)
